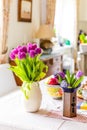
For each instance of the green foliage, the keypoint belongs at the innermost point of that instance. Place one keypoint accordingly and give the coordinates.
(68, 76)
(77, 82)
(72, 80)
(83, 38)
(26, 89)
(29, 69)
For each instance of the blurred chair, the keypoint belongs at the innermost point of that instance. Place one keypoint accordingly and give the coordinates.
(7, 81)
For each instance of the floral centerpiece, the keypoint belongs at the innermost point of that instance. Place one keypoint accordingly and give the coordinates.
(29, 67)
(69, 83)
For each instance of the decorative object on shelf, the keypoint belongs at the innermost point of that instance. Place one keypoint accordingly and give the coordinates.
(53, 88)
(45, 33)
(46, 45)
(83, 48)
(82, 37)
(69, 83)
(30, 69)
(25, 10)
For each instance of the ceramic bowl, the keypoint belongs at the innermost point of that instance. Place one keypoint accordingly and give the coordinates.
(55, 91)
(83, 47)
(84, 94)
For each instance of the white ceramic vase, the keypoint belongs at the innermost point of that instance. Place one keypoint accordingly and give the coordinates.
(33, 103)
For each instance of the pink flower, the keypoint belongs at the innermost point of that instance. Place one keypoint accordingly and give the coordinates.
(29, 47)
(32, 53)
(24, 48)
(12, 56)
(38, 50)
(21, 55)
(34, 46)
(15, 51)
(79, 74)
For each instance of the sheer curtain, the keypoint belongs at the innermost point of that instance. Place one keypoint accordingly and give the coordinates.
(47, 11)
(4, 22)
(66, 22)
(50, 12)
(1, 25)
(6, 11)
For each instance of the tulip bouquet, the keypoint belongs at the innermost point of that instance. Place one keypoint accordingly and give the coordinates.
(70, 81)
(29, 67)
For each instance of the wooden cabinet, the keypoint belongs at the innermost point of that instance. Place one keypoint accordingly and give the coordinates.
(54, 64)
(83, 63)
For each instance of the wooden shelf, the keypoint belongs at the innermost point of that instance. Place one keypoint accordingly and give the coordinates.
(54, 65)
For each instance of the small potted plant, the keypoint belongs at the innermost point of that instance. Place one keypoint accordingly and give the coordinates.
(69, 83)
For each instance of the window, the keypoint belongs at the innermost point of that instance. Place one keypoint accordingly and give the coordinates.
(65, 19)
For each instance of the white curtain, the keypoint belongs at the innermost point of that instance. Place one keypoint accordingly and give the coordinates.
(4, 22)
(1, 25)
(66, 20)
(43, 6)
(47, 11)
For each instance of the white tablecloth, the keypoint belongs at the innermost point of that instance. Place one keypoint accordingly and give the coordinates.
(13, 116)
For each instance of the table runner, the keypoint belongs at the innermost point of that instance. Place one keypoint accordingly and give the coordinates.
(81, 115)
(54, 109)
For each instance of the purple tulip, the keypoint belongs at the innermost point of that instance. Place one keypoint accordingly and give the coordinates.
(29, 47)
(29, 44)
(32, 53)
(18, 47)
(79, 74)
(34, 46)
(62, 75)
(15, 51)
(56, 75)
(24, 48)
(21, 55)
(12, 56)
(38, 50)
(21, 51)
